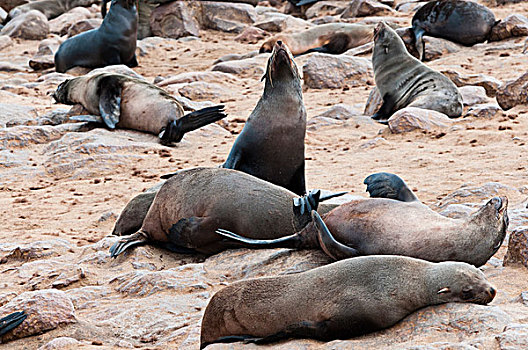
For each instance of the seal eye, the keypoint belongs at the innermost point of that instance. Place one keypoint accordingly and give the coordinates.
(467, 293)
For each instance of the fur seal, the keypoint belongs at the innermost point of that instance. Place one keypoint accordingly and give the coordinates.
(464, 22)
(404, 81)
(334, 38)
(338, 301)
(131, 103)
(11, 321)
(240, 202)
(394, 222)
(271, 144)
(114, 42)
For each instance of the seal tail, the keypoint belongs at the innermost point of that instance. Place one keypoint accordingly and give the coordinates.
(292, 241)
(177, 128)
(329, 245)
(11, 321)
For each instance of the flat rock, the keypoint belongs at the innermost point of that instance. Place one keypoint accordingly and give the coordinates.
(11, 67)
(513, 25)
(324, 71)
(474, 196)
(61, 343)
(12, 115)
(279, 22)
(517, 247)
(473, 95)
(209, 77)
(515, 336)
(43, 62)
(374, 102)
(249, 67)
(5, 42)
(35, 250)
(46, 309)
(325, 8)
(364, 8)
(236, 57)
(30, 26)
(488, 111)
(490, 84)
(340, 111)
(411, 118)
(227, 17)
(83, 26)
(438, 47)
(22, 136)
(513, 93)
(457, 211)
(118, 69)
(251, 35)
(174, 20)
(203, 91)
(62, 24)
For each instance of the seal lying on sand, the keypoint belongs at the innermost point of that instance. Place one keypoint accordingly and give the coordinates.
(114, 42)
(192, 204)
(404, 81)
(338, 301)
(11, 321)
(334, 38)
(131, 103)
(397, 223)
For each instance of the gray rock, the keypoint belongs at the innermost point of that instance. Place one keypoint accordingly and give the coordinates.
(473, 95)
(517, 247)
(249, 67)
(490, 84)
(409, 6)
(251, 35)
(30, 26)
(12, 115)
(175, 20)
(325, 19)
(22, 136)
(62, 24)
(5, 42)
(236, 57)
(438, 47)
(485, 111)
(50, 273)
(474, 196)
(227, 17)
(513, 93)
(324, 71)
(55, 117)
(60, 343)
(83, 26)
(279, 22)
(203, 91)
(364, 8)
(10, 252)
(513, 25)
(209, 77)
(340, 111)
(316, 123)
(43, 62)
(457, 211)
(10, 67)
(515, 336)
(411, 118)
(374, 102)
(325, 8)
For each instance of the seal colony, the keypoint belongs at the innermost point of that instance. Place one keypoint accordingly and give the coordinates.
(338, 301)
(131, 103)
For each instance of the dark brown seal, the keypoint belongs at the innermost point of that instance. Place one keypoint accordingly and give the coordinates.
(397, 223)
(131, 103)
(403, 81)
(338, 301)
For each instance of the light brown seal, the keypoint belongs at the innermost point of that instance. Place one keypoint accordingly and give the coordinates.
(338, 301)
(131, 103)
(397, 223)
(403, 81)
(334, 38)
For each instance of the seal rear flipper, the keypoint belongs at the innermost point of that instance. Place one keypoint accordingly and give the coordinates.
(386, 185)
(110, 100)
(177, 128)
(293, 241)
(328, 244)
(127, 242)
(304, 329)
(227, 339)
(385, 111)
(11, 321)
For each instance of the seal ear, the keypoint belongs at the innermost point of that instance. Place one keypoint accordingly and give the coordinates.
(444, 291)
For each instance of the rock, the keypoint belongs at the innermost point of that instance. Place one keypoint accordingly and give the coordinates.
(202, 91)
(515, 336)
(325, 20)
(316, 123)
(360, 50)
(409, 7)
(324, 71)
(11, 115)
(49, 46)
(42, 62)
(55, 117)
(475, 196)
(30, 26)
(457, 211)
(525, 47)
(513, 93)
(279, 22)
(46, 309)
(236, 57)
(118, 69)
(227, 17)
(174, 20)
(86, 297)
(42, 274)
(472, 95)
(60, 343)
(22, 136)
(325, 8)
(490, 84)
(10, 67)
(249, 67)
(340, 111)
(83, 26)
(412, 118)
(365, 8)
(5, 42)
(437, 47)
(513, 25)
(485, 111)
(374, 102)
(251, 35)
(210, 77)
(62, 24)
(35, 250)
(517, 247)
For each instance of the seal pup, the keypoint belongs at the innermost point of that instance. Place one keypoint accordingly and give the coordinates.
(11, 321)
(404, 81)
(271, 144)
(131, 103)
(338, 301)
(114, 42)
(464, 22)
(395, 222)
(333, 38)
(193, 203)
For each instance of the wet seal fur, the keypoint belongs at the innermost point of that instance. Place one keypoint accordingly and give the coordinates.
(333, 38)
(338, 301)
(463, 22)
(395, 222)
(114, 42)
(131, 103)
(403, 81)
(271, 144)
(193, 203)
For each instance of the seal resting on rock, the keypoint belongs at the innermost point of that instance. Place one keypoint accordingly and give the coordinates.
(338, 301)
(334, 38)
(193, 203)
(114, 42)
(131, 103)
(395, 222)
(403, 81)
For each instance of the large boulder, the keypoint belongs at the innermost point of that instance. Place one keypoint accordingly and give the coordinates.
(324, 71)
(30, 26)
(513, 93)
(517, 247)
(513, 25)
(175, 20)
(412, 118)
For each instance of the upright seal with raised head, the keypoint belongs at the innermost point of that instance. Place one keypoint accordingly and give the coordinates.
(338, 301)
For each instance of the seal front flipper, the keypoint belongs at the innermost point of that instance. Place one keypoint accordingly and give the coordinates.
(110, 100)
(11, 321)
(133, 62)
(127, 242)
(385, 111)
(293, 241)
(328, 244)
(386, 185)
(175, 129)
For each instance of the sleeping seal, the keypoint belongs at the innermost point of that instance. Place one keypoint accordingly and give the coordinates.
(131, 103)
(338, 301)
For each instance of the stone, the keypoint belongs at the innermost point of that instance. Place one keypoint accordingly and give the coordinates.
(55, 117)
(365, 8)
(236, 57)
(472, 95)
(513, 93)
(485, 111)
(490, 84)
(409, 7)
(227, 17)
(279, 22)
(251, 35)
(60, 343)
(22, 136)
(374, 102)
(457, 211)
(44, 62)
(511, 26)
(517, 252)
(316, 123)
(249, 67)
(515, 336)
(412, 118)
(5, 42)
(325, 8)
(210, 77)
(437, 47)
(118, 69)
(340, 111)
(525, 47)
(35, 250)
(10, 67)
(30, 26)
(475, 196)
(50, 273)
(325, 71)
(202, 91)
(11, 115)
(325, 20)
(174, 20)
(83, 26)
(46, 309)
(62, 24)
